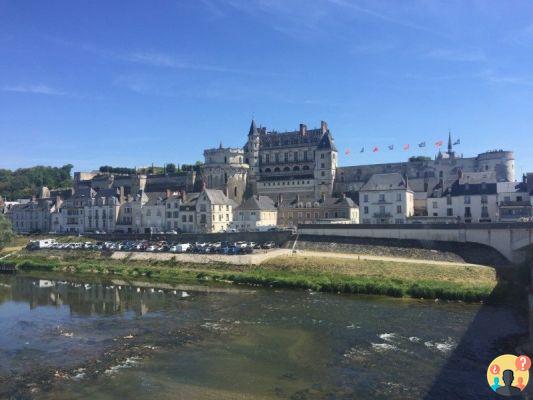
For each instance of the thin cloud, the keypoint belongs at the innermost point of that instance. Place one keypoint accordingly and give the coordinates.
(36, 89)
(475, 55)
(396, 21)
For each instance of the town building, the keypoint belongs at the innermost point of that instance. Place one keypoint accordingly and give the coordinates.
(386, 199)
(467, 200)
(101, 211)
(214, 211)
(32, 216)
(257, 213)
(514, 201)
(295, 211)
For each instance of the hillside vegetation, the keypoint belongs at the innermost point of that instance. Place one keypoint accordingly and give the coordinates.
(25, 182)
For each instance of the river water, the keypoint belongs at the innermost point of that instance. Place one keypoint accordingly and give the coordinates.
(90, 339)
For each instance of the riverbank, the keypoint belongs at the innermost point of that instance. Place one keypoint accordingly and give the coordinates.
(318, 273)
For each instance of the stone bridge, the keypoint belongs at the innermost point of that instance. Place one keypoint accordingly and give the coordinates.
(512, 240)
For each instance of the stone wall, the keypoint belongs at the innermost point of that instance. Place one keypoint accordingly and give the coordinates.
(404, 248)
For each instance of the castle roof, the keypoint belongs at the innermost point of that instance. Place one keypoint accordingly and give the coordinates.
(326, 143)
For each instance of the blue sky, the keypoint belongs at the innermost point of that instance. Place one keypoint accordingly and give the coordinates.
(131, 83)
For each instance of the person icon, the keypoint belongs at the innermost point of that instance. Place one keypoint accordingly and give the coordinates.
(496, 383)
(520, 385)
(508, 390)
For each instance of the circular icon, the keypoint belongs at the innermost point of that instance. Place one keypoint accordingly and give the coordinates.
(508, 374)
(523, 363)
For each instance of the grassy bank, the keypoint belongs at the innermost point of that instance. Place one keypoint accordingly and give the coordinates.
(452, 282)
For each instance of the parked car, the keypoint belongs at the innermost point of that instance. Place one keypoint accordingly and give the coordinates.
(268, 245)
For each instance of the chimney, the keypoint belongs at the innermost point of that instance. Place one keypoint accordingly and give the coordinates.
(323, 126)
(344, 195)
(183, 195)
(169, 193)
(303, 129)
(121, 194)
(323, 198)
(280, 198)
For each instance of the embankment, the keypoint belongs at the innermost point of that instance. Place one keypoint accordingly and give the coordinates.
(319, 273)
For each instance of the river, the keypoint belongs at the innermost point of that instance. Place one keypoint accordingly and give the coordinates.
(66, 338)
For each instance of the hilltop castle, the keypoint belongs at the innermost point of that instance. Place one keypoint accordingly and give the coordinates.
(303, 163)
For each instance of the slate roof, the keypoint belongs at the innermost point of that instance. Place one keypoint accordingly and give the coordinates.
(326, 143)
(217, 196)
(263, 203)
(392, 181)
(470, 189)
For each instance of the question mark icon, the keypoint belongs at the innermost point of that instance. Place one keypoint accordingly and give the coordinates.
(523, 363)
(495, 369)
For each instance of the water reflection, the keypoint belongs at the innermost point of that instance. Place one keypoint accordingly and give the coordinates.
(102, 339)
(90, 298)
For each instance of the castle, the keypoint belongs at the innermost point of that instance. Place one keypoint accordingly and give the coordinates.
(303, 163)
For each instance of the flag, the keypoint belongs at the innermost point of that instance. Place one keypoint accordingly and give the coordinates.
(347, 152)
(406, 146)
(438, 143)
(458, 141)
(423, 144)
(391, 147)
(375, 149)
(362, 150)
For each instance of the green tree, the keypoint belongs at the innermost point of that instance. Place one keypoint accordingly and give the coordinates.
(171, 168)
(6, 234)
(24, 182)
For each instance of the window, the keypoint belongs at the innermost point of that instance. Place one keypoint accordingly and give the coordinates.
(322, 156)
(382, 209)
(398, 197)
(435, 204)
(235, 191)
(322, 173)
(382, 197)
(365, 198)
(448, 200)
(484, 199)
(449, 212)
(322, 165)
(467, 212)
(518, 198)
(467, 200)
(398, 209)
(295, 156)
(183, 218)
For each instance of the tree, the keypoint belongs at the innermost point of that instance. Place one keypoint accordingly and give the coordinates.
(25, 182)
(171, 168)
(6, 233)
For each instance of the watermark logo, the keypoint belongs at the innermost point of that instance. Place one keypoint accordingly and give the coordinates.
(508, 374)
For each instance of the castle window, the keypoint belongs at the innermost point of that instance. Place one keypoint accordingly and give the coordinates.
(276, 169)
(322, 156)
(286, 157)
(295, 156)
(305, 156)
(267, 170)
(296, 168)
(235, 191)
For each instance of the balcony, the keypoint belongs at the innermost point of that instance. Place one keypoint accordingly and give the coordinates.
(382, 215)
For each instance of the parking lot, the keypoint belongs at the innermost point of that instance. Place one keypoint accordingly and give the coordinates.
(223, 247)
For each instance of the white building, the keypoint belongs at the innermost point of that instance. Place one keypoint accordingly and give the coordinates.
(466, 202)
(257, 213)
(386, 199)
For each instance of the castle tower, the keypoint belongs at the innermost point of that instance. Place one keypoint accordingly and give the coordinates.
(251, 157)
(325, 164)
(225, 169)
